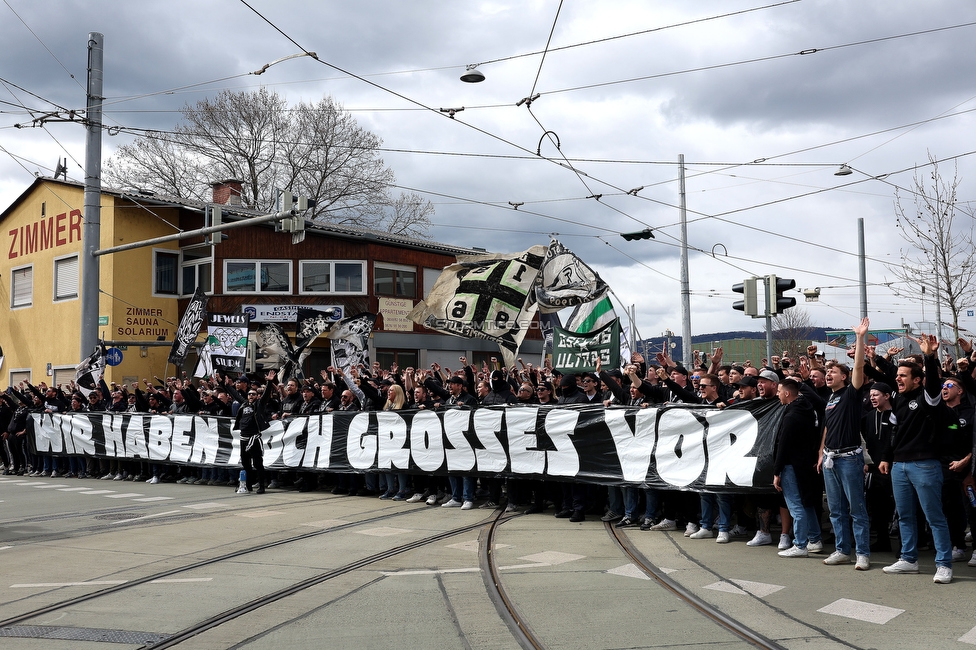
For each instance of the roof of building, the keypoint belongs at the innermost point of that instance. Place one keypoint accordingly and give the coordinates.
(342, 231)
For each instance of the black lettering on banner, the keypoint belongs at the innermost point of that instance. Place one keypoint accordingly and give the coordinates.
(677, 447)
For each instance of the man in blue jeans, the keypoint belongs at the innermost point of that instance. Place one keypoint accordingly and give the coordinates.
(919, 416)
(842, 459)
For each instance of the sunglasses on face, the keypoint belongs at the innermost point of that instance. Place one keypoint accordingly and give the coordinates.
(948, 384)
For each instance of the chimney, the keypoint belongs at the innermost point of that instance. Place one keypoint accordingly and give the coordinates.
(227, 192)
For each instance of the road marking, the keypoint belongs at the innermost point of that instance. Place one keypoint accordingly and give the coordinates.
(430, 572)
(47, 486)
(123, 496)
(4, 548)
(160, 514)
(211, 504)
(726, 587)
(165, 580)
(629, 571)
(98, 492)
(473, 546)
(383, 532)
(68, 584)
(552, 557)
(969, 637)
(742, 587)
(74, 489)
(861, 611)
(148, 499)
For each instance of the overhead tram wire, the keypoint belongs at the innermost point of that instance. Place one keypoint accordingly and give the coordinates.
(719, 66)
(43, 44)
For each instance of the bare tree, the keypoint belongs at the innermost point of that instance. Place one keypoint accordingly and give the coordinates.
(938, 258)
(313, 150)
(792, 330)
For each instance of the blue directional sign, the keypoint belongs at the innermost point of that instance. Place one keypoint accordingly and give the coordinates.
(113, 356)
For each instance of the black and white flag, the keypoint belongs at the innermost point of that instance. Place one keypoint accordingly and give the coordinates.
(311, 323)
(90, 370)
(276, 352)
(350, 341)
(566, 281)
(189, 327)
(226, 346)
(485, 297)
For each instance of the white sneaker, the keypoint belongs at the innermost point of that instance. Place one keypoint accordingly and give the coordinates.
(690, 529)
(118, 477)
(863, 563)
(972, 560)
(794, 551)
(761, 539)
(958, 554)
(467, 505)
(723, 537)
(836, 558)
(969, 537)
(665, 524)
(432, 500)
(738, 531)
(153, 481)
(903, 566)
(453, 503)
(943, 575)
(416, 498)
(785, 542)
(701, 533)
(815, 547)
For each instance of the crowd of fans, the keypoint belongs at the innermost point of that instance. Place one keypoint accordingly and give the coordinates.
(887, 440)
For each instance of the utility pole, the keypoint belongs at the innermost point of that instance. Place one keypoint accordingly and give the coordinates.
(685, 288)
(91, 234)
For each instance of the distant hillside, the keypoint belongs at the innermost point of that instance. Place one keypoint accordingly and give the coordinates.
(656, 344)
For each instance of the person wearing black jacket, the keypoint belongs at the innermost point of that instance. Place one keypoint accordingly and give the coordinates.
(876, 428)
(920, 417)
(795, 454)
(250, 422)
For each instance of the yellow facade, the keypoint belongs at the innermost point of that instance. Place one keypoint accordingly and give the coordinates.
(42, 230)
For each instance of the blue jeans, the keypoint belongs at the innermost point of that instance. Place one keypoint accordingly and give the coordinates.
(631, 499)
(844, 483)
(650, 504)
(462, 489)
(709, 502)
(806, 526)
(924, 478)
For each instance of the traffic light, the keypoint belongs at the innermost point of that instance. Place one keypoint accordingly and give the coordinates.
(643, 234)
(289, 201)
(749, 303)
(776, 301)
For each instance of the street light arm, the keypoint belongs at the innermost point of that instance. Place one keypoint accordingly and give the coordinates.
(265, 67)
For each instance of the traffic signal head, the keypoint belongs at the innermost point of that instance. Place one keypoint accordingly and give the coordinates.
(778, 303)
(643, 234)
(749, 304)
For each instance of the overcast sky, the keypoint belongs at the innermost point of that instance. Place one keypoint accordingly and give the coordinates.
(801, 86)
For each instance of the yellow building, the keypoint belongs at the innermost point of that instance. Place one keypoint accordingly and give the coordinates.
(39, 280)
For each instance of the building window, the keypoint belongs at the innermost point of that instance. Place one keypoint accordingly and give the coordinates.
(257, 277)
(395, 280)
(166, 268)
(22, 287)
(324, 276)
(66, 278)
(403, 358)
(19, 375)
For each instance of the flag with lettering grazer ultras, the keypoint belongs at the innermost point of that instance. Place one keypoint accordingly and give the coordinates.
(573, 352)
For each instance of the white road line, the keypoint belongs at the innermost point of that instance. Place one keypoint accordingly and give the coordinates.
(629, 571)
(165, 580)
(211, 504)
(98, 492)
(429, 572)
(148, 499)
(48, 486)
(68, 584)
(4, 548)
(122, 496)
(74, 489)
(160, 514)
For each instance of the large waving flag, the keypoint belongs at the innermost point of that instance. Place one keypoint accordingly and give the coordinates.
(591, 316)
(566, 281)
(89, 371)
(486, 297)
